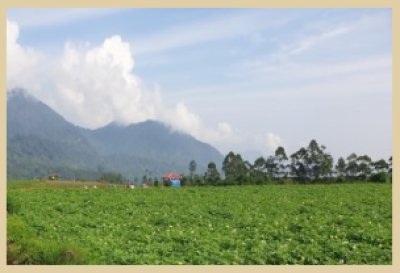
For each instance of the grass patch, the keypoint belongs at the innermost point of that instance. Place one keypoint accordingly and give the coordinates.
(25, 247)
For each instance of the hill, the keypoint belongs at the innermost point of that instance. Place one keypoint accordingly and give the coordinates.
(40, 141)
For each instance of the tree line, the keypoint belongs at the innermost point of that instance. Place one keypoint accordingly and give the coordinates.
(311, 164)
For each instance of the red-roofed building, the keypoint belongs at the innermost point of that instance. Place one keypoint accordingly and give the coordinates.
(172, 176)
(172, 179)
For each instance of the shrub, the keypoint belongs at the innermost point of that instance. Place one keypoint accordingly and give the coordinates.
(379, 177)
(13, 204)
(341, 179)
(362, 177)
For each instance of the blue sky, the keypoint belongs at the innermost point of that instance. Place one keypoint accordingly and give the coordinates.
(240, 79)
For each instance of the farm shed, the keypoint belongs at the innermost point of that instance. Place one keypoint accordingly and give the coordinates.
(53, 176)
(172, 179)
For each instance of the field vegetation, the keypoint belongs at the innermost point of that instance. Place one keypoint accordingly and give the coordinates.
(272, 224)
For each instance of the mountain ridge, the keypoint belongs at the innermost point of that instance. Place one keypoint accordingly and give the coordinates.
(39, 140)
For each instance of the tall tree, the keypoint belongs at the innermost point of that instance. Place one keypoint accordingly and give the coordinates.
(259, 167)
(312, 159)
(299, 165)
(271, 166)
(259, 164)
(248, 165)
(380, 166)
(319, 162)
(312, 163)
(341, 167)
(228, 165)
(352, 165)
(326, 161)
(242, 172)
(192, 168)
(212, 176)
(234, 167)
(364, 166)
(280, 157)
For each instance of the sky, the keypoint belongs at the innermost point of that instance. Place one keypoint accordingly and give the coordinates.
(243, 80)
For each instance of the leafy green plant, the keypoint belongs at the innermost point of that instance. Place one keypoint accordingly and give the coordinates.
(273, 224)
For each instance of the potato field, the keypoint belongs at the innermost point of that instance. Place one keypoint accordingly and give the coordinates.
(257, 225)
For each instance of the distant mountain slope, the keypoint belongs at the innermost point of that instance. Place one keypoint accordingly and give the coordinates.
(152, 139)
(28, 116)
(40, 141)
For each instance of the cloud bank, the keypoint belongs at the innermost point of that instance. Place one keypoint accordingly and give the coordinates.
(95, 85)
(92, 86)
(21, 61)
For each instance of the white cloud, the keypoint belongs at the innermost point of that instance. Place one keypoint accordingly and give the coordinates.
(182, 119)
(92, 86)
(96, 85)
(21, 61)
(268, 142)
(225, 128)
(222, 134)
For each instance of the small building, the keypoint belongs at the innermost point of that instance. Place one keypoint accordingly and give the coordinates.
(172, 179)
(53, 176)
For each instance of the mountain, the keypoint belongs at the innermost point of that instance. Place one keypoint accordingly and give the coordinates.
(40, 141)
(152, 139)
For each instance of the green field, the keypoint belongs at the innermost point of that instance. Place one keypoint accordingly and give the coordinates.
(291, 224)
